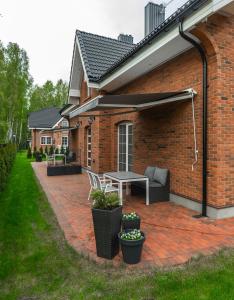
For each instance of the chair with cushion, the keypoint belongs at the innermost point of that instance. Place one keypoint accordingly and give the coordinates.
(159, 185)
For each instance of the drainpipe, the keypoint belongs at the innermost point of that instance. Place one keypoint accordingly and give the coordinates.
(204, 130)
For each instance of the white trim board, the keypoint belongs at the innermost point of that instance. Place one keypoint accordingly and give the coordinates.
(213, 213)
(160, 51)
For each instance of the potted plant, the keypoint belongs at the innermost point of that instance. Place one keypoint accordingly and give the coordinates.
(38, 156)
(131, 221)
(107, 215)
(131, 241)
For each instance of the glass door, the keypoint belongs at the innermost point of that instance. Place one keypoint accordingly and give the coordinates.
(125, 146)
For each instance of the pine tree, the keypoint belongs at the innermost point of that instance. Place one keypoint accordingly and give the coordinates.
(29, 153)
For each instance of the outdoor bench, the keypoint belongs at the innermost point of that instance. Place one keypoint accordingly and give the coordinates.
(159, 185)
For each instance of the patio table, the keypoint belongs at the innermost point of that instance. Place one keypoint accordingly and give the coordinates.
(126, 177)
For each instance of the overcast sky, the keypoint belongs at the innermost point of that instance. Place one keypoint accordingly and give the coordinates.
(46, 28)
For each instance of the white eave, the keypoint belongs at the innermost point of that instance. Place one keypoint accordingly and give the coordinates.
(162, 49)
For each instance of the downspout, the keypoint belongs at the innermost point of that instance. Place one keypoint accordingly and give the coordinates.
(204, 121)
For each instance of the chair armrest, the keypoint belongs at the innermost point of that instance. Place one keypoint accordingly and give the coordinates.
(105, 180)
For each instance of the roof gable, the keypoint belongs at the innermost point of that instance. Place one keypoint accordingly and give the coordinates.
(99, 53)
(44, 118)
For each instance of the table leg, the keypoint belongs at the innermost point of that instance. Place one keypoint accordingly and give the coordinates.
(121, 193)
(147, 192)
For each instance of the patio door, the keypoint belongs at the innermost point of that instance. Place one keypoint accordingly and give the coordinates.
(89, 147)
(125, 145)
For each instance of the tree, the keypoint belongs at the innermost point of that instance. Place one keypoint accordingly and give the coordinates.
(15, 83)
(48, 95)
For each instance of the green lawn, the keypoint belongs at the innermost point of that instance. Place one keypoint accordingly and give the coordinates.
(37, 263)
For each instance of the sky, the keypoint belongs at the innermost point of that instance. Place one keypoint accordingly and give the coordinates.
(46, 28)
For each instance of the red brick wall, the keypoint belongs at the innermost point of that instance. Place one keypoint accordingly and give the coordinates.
(163, 136)
(56, 136)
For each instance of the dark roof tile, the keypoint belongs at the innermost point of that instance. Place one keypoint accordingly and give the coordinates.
(44, 118)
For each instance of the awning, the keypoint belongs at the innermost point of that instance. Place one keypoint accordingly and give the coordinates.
(137, 101)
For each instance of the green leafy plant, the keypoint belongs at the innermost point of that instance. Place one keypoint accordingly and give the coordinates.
(130, 216)
(34, 151)
(62, 150)
(41, 151)
(29, 153)
(46, 150)
(51, 150)
(7, 156)
(131, 235)
(104, 201)
(56, 151)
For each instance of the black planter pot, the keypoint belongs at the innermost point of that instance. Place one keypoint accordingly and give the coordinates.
(132, 250)
(131, 224)
(38, 157)
(107, 224)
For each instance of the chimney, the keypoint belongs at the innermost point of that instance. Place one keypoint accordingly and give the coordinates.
(126, 38)
(154, 16)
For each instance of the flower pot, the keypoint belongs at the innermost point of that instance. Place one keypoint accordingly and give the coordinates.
(131, 224)
(38, 157)
(107, 224)
(131, 250)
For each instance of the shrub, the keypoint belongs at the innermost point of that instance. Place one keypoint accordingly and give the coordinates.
(7, 156)
(62, 150)
(104, 201)
(46, 149)
(29, 153)
(41, 151)
(34, 151)
(51, 150)
(56, 151)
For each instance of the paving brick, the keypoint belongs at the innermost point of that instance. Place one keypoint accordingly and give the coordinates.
(173, 236)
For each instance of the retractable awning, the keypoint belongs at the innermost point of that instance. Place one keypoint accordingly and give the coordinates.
(137, 101)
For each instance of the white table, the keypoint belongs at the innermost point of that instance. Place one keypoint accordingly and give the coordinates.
(126, 177)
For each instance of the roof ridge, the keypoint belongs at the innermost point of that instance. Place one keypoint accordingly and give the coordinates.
(46, 108)
(102, 36)
(152, 34)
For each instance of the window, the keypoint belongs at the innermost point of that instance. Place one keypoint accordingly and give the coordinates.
(89, 147)
(65, 123)
(64, 141)
(46, 140)
(125, 145)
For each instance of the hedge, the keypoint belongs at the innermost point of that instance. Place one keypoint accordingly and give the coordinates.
(7, 156)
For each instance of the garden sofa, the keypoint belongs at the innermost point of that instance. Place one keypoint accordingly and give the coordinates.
(159, 185)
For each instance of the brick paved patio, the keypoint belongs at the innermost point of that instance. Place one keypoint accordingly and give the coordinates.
(173, 235)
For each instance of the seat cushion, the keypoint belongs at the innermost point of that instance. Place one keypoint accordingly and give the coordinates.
(155, 184)
(142, 184)
(160, 175)
(149, 172)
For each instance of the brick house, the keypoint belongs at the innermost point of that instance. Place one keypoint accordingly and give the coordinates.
(48, 128)
(152, 103)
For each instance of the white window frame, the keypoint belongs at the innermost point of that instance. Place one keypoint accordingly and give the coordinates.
(46, 140)
(62, 145)
(88, 160)
(127, 124)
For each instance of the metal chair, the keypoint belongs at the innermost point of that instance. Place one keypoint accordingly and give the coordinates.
(105, 185)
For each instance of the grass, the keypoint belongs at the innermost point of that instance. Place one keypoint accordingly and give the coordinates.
(36, 262)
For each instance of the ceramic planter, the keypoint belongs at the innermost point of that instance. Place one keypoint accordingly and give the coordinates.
(107, 224)
(132, 250)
